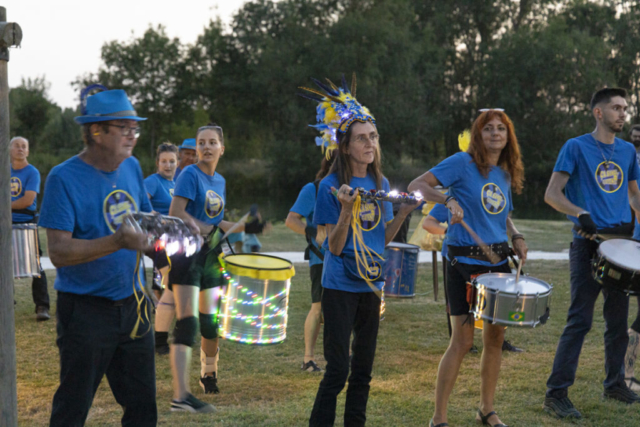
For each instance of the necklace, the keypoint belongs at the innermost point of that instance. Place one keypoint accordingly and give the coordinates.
(606, 162)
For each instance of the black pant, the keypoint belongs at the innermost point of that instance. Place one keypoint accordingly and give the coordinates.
(636, 323)
(345, 312)
(93, 338)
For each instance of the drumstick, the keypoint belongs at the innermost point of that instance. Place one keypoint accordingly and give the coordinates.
(519, 270)
(493, 258)
(236, 226)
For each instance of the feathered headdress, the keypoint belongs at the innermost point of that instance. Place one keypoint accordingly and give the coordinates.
(337, 110)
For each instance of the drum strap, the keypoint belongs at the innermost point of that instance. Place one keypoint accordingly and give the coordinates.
(501, 249)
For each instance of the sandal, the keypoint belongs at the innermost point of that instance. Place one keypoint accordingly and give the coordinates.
(431, 424)
(484, 419)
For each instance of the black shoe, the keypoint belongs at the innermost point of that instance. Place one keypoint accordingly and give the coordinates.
(473, 349)
(484, 419)
(209, 384)
(311, 366)
(622, 393)
(192, 404)
(42, 314)
(507, 346)
(431, 424)
(559, 405)
(162, 350)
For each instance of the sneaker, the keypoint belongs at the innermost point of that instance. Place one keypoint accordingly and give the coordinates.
(311, 366)
(42, 314)
(559, 405)
(209, 384)
(473, 349)
(192, 404)
(507, 346)
(162, 350)
(633, 384)
(622, 393)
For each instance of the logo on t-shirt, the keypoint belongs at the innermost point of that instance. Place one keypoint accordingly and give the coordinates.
(609, 177)
(16, 186)
(493, 199)
(116, 205)
(171, 192)
(374, 271)
(369, 216)
(213, 204)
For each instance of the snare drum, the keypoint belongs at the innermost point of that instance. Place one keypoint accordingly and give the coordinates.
(400, 269)
(501, 301)
(254, 307)
(26, 251)
(617, 265)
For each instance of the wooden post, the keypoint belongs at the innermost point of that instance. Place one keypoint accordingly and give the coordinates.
(10, 35)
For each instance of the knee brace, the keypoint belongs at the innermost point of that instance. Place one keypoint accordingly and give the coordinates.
(185, 331)
(209, 326)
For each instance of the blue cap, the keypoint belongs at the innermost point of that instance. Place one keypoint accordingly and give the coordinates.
(108, 105)
(189, 143)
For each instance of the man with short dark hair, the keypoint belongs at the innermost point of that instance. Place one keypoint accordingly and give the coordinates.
(102, 328)
(598, 173)
(25, 186)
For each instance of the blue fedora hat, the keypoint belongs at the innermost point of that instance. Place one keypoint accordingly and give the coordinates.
(108, 105)
(189, 143)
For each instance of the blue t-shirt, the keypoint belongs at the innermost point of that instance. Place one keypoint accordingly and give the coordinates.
(486, 202)
(175, 177)
(23, 180)
(441, 214)
(82, 200)
(206, 194)
(160, 191)
(373, 218)
(595, 186)
(304, 205)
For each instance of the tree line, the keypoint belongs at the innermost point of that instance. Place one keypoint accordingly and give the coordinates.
(424, 68)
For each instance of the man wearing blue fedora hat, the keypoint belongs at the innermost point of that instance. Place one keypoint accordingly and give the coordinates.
(186, 155)
(102, 329)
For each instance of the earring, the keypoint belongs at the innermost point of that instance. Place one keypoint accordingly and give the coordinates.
(96, 133)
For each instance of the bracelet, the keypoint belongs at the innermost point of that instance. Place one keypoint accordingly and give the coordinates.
(582, 213)
(448, 199)
(516, 237)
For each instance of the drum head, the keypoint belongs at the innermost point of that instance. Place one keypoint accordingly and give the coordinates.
(403, 246)
(621, 252)
(264, 267)
(506, 282)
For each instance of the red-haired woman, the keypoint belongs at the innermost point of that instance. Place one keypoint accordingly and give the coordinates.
(480, 182)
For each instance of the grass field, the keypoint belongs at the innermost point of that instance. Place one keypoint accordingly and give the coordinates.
(262, 386)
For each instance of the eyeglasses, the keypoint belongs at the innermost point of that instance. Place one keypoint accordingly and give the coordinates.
(201, 128)
(484, 110)
(127, 131)
(374, 137)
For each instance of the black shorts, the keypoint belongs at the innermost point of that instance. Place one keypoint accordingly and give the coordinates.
(315, 271)
(201, 270)
(457, 285)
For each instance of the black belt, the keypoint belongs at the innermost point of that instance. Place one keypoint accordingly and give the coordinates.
(501, 249)
(100, 300)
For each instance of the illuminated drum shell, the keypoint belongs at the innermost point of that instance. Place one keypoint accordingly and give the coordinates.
(400, 270)
(26, 252)
(254, 308)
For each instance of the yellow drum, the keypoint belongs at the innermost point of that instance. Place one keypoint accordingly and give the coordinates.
(254, 307)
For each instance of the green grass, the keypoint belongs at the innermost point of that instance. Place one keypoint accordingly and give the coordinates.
(262, 386)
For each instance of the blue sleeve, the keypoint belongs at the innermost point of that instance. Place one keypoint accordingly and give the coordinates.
(186, 186)
(151, 185)
(305, 204)
(566, 159)
(440, 213)
(57, 210)
(634, 171)
(449, 171)
(33, 181)
(510, 198)
(387, 206)
(145, 203)
(327, 209)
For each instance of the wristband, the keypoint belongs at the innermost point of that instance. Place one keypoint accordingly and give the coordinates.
(448, 199)
(517, 236)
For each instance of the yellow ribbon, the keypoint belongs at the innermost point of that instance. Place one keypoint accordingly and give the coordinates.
(362, 252)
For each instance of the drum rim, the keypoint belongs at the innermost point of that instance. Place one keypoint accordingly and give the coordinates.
(225, 258)
(612, 261)
(24, 226)
(540, 294)
(410, 246)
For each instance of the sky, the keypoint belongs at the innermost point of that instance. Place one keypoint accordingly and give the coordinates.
(62, 38)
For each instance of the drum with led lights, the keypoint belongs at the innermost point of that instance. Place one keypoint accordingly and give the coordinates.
(254, 307)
